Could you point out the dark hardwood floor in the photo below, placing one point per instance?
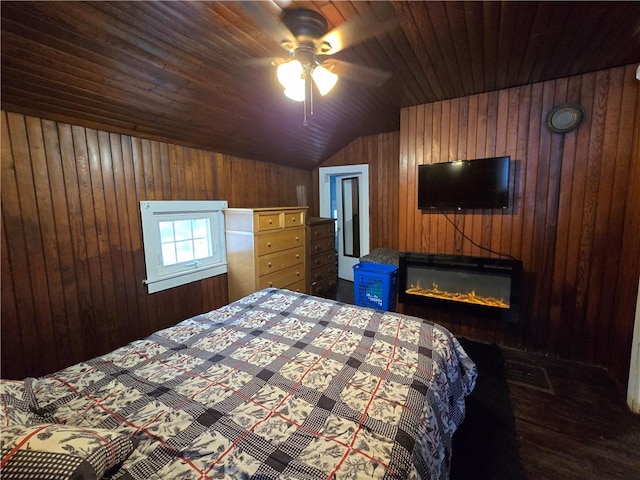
(572, 421)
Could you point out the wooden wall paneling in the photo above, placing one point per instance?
(127, 212)
(90, 256)
(620, 126)
(16, 300)
(99, 256)
(471, 223)
(612, 191)
(72, 256)
(439, 153)
(589, 264)
(52, 310)
(519, 102)
(109, 236)
(561, 146)
(506, 145)
(440, 138)
(405, 177)
(412, 163)
(552, 215)
(34, 267)
(535, 209)
(391, 155)
(499, 128)
(490, 133)
(461, 148)
(76, 274)
(63, 247)
(447, 138)
(135, 185)
(381, 153)
(543, 218)
(566, 216)
(10, 319)
(625, 299)
(573, 310)
(424, 145)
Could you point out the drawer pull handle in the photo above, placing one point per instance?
(293, 219)
(270, 222)
(297, 274)
(269, 244)
(297, 256)
(271, 284)
(269, 264)
(297, 239)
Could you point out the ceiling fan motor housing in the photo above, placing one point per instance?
(305, 24)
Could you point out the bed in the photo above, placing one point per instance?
(275, 385)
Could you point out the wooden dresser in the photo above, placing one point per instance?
(323, 270)
(266, 247)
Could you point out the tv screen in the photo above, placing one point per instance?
(481, 183)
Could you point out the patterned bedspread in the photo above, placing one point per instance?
(275, 385)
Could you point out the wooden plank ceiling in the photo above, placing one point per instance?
(180, 71)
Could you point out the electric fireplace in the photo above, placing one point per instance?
(485, 285)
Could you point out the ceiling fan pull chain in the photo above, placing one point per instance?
(304, 104)
(310, 85)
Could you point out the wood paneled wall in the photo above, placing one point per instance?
(72, 257)
(380, 152)
(575, 215)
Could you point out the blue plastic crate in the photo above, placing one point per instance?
(375, 285)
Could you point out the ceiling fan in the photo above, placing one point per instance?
(304, 34)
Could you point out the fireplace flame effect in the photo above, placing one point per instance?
(470, 297)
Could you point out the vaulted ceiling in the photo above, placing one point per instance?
(184, 71)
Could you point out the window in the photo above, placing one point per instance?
(183, 242)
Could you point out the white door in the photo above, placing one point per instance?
(350, 186)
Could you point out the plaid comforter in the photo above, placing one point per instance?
(276, 385)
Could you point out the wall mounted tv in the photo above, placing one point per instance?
(481, 183)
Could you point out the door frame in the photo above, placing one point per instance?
(325, 174)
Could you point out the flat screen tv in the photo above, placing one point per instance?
(481, 183)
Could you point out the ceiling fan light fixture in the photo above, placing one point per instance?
(324, 79)
(290, 74)
(295, 91)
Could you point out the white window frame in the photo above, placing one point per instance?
(153, 212)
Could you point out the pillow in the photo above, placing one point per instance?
(387, 256)
(57, 452)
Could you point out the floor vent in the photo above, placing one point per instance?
(528, 375)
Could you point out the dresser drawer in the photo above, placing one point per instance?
(278, 241)
(293, 219)
(299, 286)
(282, 278)
(322, 230)
(274, 262)
(322, 259)
(323, 286)
(323, 245)
(324, 271)
(268, 221)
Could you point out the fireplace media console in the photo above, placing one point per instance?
(485, 285)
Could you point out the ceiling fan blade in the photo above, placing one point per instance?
(261, 61)
(354, 31)
(357, 73)
(267, 16)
